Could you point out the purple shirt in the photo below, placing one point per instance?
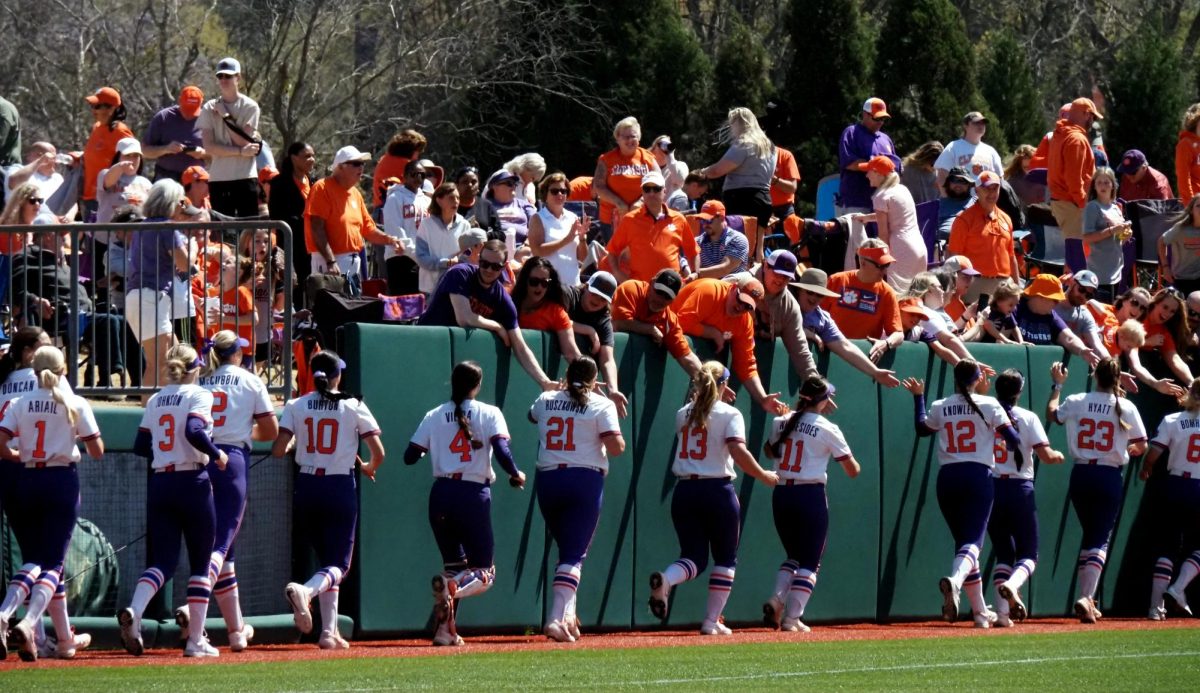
(151, 258)
(860, 143)
(167, 126)
(822, 324)
(463, 279)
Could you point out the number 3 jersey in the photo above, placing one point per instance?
(1179, 435)
(450, 450)
(327, 432)
(804, 454)
(962, 435)
(1093, 432)
(166, 418)
(704, 452)
(570, 434)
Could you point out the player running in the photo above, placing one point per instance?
(459, 437)
(328, 426)
(1103, 430)
(704, 505)
(802, 443)
(578, 430)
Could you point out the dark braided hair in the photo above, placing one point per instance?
(580, 374)
(327, 365)
(24, 338)
(966, 374)
(1108, 378)
(465, 377)
(813, 391)
(1009, 385)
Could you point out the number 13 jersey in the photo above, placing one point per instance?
(1093, 432)
(570, 434)
(704, 452)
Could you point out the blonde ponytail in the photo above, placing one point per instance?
(181, 358)
(49, 365)
(706, 390)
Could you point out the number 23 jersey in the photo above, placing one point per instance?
(450, 450)
(327, 432)
(571, 434)
(1092, 429)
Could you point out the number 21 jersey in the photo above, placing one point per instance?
(571, 434)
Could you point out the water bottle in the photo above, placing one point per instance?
(64, 160)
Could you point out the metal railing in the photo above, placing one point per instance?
(72, 280)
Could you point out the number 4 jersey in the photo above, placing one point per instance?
(1093, 432)
(570, 434)
(804, 455)
(962, 435)
(1179, 435)
(450, 450)
(327, 432)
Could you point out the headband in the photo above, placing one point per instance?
(341, 365)
(830, 391)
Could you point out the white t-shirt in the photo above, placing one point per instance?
(245, 114)
(1092, 429)
(976, 158)
(963, 436)
(570, 434)
(239, 397)
(804, 454)
(403, 211)
(327, 432)
(49, 436)
(1179, 435)
(1032, 435)
(450, 450)
(704, 452)
(166, 419)
(564, 259)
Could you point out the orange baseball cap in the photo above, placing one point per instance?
(987, 179)
(105, 95)
(1085, 105)
(191, 174)
(711, 209)
(880, 164)
(750, 292)
(1046, 286)
(190, 101)
(879, 256)
(876, 108)
(910, 305)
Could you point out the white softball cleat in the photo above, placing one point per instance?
(239, 640)
(1157, 613)
(660, 592)
(558, 632)
(773, 612)
(1085, 609)
(131, 635)
(950, 599)
(985, 618)
(717, 627)
(1003, 621)
(22, 639)
(572, 624)
(332, 640)
(794, 625)
(51, 648)
(200, 648)
(1016, 607)
(1180, 600)
(299, 596)
(444, 637)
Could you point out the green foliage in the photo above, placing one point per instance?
(925, 71)
(740, 73)
(1007, 83)
(1148, 92)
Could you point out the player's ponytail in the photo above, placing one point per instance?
(1108, 379)
(464, 380)
(220, 350)
(181, 359)
(581, 377)
(24, 338)
(326, 365)
(1191, 400)
(706, 390)
(966, 374)
(813, 391)
(49, 365)
(1009, 385)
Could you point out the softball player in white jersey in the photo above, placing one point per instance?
(1103, 430)
(802, 444)
(1179, 436)
(176, 434)
(578, 430)
(47, 494)
(241, 411)
(328, 426)
(704, 506)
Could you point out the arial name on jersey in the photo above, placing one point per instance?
(42, 406)
(560, 405)
(1097, 408)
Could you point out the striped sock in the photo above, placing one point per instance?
(1091, 564)
(147, 586)
(199, 589)
(1188, 571)
(215, 561)
(18, 590)
(566, 583)
(720, 583)
(973, 586)
(324, 579)
(472, 583)
(328, 602)
(225, 591)
(58, 613)
(1021, 573)
(965, 561)
(800, 590)
(41, 595)
(1160, 580)
(680, 572)
(1000, 574)
(783, 578)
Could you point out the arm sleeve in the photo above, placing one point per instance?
(196, 434)
(143, 444)
(921, 417)
(504, 456)
(413, 454)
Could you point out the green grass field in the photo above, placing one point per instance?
(1165, 660)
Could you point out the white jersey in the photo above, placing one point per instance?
(1179, 435)
(327, 432)
(961, 435)
(450, 451)
(1032, 435)
(166, 419)
(239, 397)
(49, 436)
(804, 454)
(571, 435)
(1093, 433)
(704, 452)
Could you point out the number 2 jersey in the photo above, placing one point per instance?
(1179, 435)
(704, 452)
(450, 450)
(327, 431)
(239, 397)
(42, 429)
(804, 454)
(166, 418)
(1033, 436)
(962, 436)
(573, 435)
(1093, 432)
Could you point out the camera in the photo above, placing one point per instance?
(189, 147)
(667, 146)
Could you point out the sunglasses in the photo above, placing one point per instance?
(225, 77)
(558, 191)
(877, 264)
(100, 106)
(419, 174)
(537, 283)
(1090, 293)
(651, 189)
(1138, 304)
(880, 120)
(493, 266)
(509, 183)
(354, 164)
(36, 201)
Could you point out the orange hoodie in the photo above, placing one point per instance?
(1187, 165)
(1071, 164)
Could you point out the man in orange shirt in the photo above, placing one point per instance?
(983, 234)
(867, 307)
(1071, 167)
(783, 184)
(337, 221)
(724, 313)
(644, 308)
(651, 237)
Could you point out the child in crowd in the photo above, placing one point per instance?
(1000, 325)
(236, 311)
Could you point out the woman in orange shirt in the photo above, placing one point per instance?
(1167, 329)
(108, 129)
(539, 300)
(617, 182)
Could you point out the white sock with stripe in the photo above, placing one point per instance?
(1188, 571)
(41, 595)
(58, 614)
(973, 586)
(1091, 564)
(472, 583)
(225, 591)
(783, 579)
(199, 590)
(324, 579)
(965, 560)
(1164, 568)
(147, 586)
(799, 591)
(1000, 574)
(19, 589)
(328, 601)
(566, 584)
(680, 572)
(720, 584)
(1021, 573)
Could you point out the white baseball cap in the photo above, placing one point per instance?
(129, 145)
(229, 66)
(348, 154)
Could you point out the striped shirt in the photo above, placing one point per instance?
(732, 243)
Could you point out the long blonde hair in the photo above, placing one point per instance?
(49, 365)
(181, 359)
(222, 341)
(706, 390)
(743, 128)
(16, 202)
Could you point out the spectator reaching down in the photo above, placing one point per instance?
(589, 307)
(820, 328)
(1040, 324)
(866, 306)
(778, 313)
(648, 308)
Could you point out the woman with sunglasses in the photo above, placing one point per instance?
(511, 209)
(1176, 255)
(437, 237)
(1130, 305)
(1167, 331)
(558, 234)
(108, 128)
(538, 296)
(23, 206)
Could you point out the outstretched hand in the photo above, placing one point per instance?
(913, 385)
